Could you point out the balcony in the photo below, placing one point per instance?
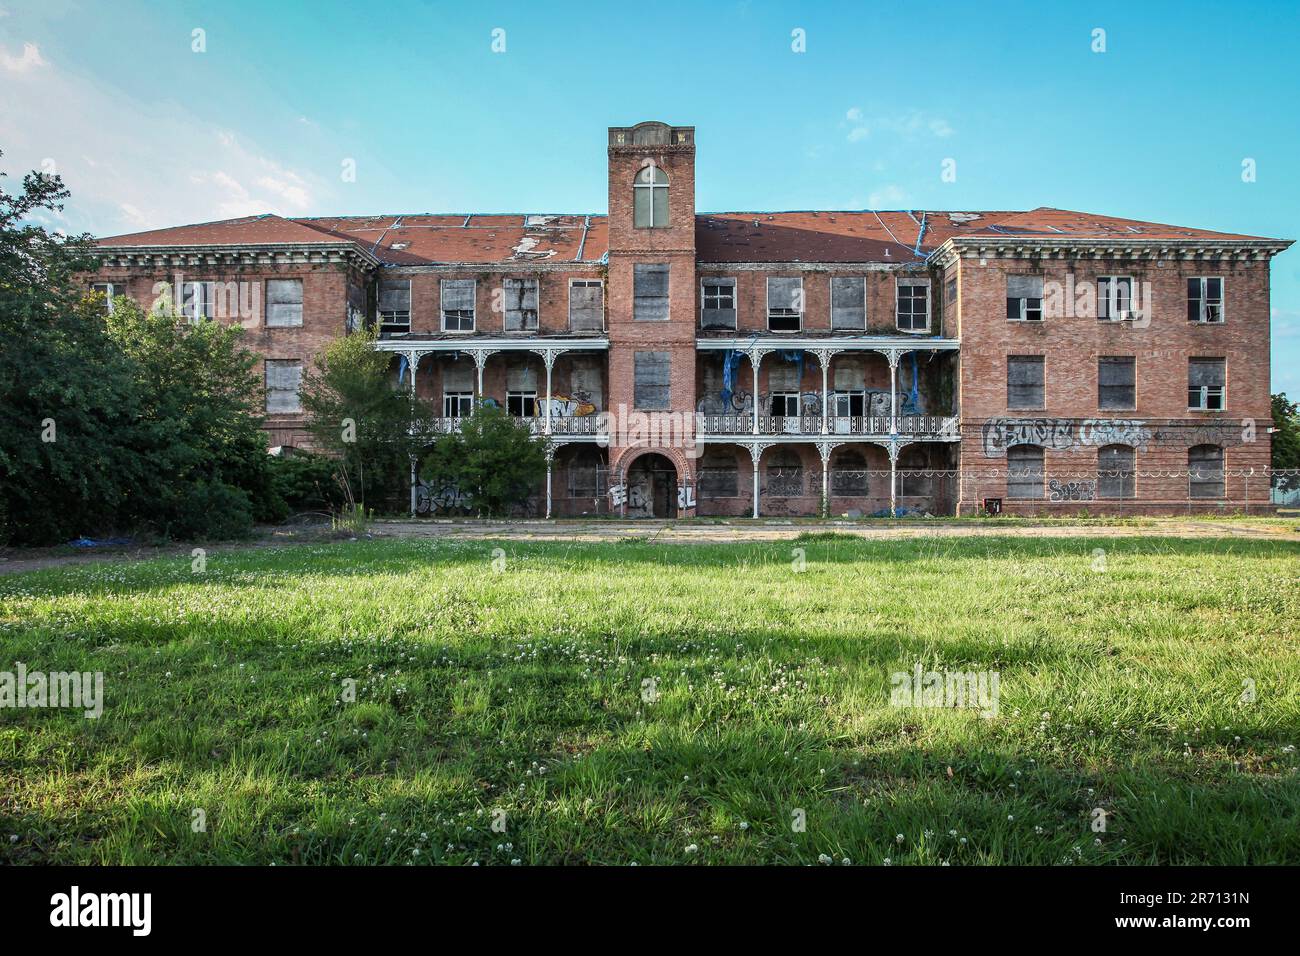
(936, 427)
(585, 426)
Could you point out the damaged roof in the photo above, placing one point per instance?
(848, 236)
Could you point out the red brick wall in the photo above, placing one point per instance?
(1071, 347)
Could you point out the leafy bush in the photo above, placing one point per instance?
(306, 482)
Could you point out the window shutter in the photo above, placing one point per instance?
(651, 380)
(848, 303)
(457, 295)
(1024, 287)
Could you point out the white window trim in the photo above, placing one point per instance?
(473, 312)
(379, 314)
(1124, 315)
(572, 283)
(525, 394)
(458, 396)
(110, 295)
(899, 283)
(767, 291)
(1223, 300)
(651, 187)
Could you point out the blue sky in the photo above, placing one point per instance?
(147, 132)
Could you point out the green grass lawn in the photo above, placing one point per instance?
(517, 694)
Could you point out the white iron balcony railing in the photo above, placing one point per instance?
(920, 426)
(566, 425)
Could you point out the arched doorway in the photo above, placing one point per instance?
(651, 487)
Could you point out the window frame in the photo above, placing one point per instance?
(667, 361)
(901, 283)
(1015, 483)
(1204, 298)
(459, 313)
(394, 325)
(1042, 384)
(1122, 315)
(587, 284)
(1206, 392)
(109, 295)
(522, 397)
(718, 282)
(463, 403)
(1220, 487)
(1127, 478)
(1112, 359)
(783, 312)
(650, 189)
(1023, 308)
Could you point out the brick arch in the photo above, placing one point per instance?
(625, 458)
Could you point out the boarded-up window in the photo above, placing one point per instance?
(520, 304)
(719, 475)
(458, 376)
(849, 303)
(1115, 471)
(586, 305)
(458, 305)
(912, 304)
(358, 310)
(1025, 471)
(718, 303)
(650, 292)
(650, 380)
(1205, 467)
(1025, 298)
(784, 474)
(915, 479)
(1116, 382)
(283, 379)
(283, 302)
(1205, 382)
(783, 376)
(1024, 381)
(586, 384)
(521, 378)
(849, 374)
(586, 474)
(849, 474)
(395, 305)
(784, 304)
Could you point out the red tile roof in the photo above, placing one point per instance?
(857, 236)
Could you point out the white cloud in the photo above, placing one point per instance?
(29, 59)
(134, 165)
(903, 126)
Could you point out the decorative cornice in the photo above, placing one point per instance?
(1045, 247)
(281, 253)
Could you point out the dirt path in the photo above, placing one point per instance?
(16, 560)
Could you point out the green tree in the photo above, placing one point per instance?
(67, 394)
(494, 461)
(360, 414)
(1286, 438)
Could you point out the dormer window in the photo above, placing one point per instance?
(650, 198)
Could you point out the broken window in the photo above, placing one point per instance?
(1205, 471)
(914, 477)
(1205, 300)
(283, 379)
(1205, 383)
(718, 303)
(199, 301)
(395, 305)
(1115, 471)
(650, 198)
(110, 291)
(358, 309)
(521, 390)
(1025, 381)
(1114, 298)
(1025, 471)
(521, 304)
(913, 305)
(586, 474)
(650, 386)
(1116, 382)
(1025, 298)
(458, 305)
(784, 475)
(850, 389)
(784, 304)
(650, 292)
(457, 389)
(585, 382)
(283, 302)
(586, 305)
(849, 473)
(848, 302)
(719, 475)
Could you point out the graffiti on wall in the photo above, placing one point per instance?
(685, 496)
(566, 406)
(1063, 434)
(1058, 490)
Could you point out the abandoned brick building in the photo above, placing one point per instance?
(787, 363)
